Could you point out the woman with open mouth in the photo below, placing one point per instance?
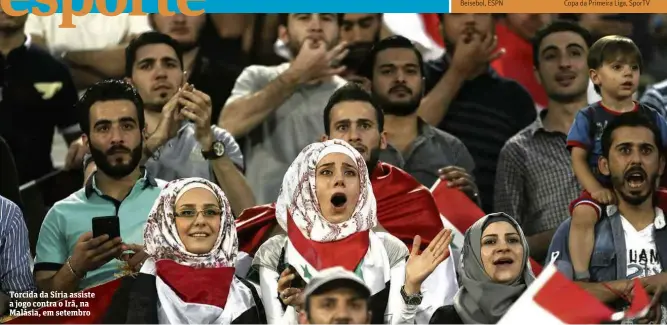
(327, 208)
(494, 270)
(190, 238)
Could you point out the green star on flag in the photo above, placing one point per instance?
(306, 273)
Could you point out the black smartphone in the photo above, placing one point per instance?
(298, 281)
(109, 225)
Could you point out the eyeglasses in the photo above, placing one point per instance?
(207, 213)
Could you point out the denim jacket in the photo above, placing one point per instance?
(608, 261)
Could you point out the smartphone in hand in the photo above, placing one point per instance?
(109, 225)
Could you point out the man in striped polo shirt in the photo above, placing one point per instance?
(15, 274)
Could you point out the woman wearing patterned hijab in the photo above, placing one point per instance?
(495, 271)
(327, 208)
(191, 241)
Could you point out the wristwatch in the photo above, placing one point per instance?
(411, 300)
(217, 151)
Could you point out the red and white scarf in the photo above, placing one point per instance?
(321, 243)
(195, 278)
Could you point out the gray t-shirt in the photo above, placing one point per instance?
(272, 146)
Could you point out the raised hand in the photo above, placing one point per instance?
(314, 61)
(420, 266)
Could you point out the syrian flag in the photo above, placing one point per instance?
(458, 213)
(544, 301)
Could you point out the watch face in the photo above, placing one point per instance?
(219, 149)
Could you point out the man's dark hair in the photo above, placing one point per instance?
(351, 92)
(283, 19)
(611, 48)
(149, 38)
(630, 119)
(108, 90)
(328, 287)
(557, 27)
(391, 42)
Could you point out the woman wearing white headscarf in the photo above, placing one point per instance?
(191, 241)
(495, 271)
(327, 208)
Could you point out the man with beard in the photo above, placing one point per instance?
(277, 111)
(468, 99)
(182, 142)
(37, 95)
(395, 67)
(68, 257)
(535, 182)
(632, 241)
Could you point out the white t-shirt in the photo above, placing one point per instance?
(642, 256)
(92, 32)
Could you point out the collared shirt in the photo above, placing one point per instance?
(534, 181)
(69, 218)
(272, 146)
(181, 156)
(37, 95)
(484, 114)
(431, 150)
(15, 274)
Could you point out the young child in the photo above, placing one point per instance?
(615, 64)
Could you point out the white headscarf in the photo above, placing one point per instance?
(298, 195)
(161, 236)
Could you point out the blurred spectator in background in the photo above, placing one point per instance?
(36, 96)
(226, 35)
(277, 111)
(657, 67)
(9, 187)
(468, 99)
(535, 182)
(354, 63)
(656, 97)
(205, 66)
(515, 32)
(94, 50)
(359, 28)
(395, 67)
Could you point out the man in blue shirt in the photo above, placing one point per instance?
(15, 274)
(68, 257)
